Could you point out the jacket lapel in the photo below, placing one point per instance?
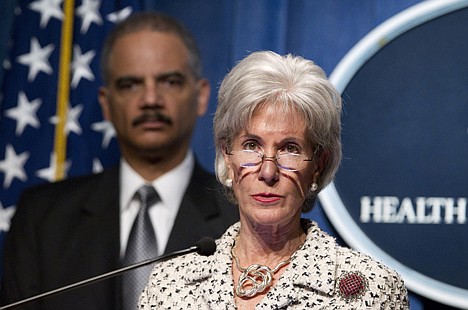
(101, 213)
(312, 267)
(214, 273)
(197, 213)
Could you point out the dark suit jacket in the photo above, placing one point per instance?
(69, 231)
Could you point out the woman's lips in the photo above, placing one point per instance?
(266, 198)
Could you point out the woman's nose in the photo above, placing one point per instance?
(268, 170)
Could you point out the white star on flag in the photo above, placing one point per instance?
(106, 129)
(5, 217)
(32, 89)
(13, 166)
(47, 9)
(118, 16)
(89, 13)
(80, 66)
(25, 113)
(72, 124)
(37, 59)
(97, 165)
(48, 173)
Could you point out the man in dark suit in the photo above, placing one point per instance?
(71, 230)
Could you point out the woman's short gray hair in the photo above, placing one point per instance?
(290, 83)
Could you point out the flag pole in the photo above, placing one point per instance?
(63, 90)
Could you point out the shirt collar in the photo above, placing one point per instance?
(170, 186)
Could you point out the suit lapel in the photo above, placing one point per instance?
(102, 208)
(197, 208)
(102, 216)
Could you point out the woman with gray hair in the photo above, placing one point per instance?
(277, 136)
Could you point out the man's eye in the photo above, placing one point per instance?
(171, 82)
(127, 84)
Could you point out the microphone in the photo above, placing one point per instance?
(205, 246)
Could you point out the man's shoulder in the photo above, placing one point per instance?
(204, 185)
(200, 174)
(70, 185)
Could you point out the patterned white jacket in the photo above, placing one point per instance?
(321, 275)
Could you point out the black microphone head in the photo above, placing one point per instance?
(206, 246)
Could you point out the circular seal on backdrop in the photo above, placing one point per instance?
(401, 193)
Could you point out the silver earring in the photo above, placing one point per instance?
(228, 183)
(313, 187)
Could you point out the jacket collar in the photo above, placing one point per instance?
(312, 266)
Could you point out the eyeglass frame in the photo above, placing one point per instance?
(274, 159)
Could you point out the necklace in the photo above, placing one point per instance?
(257, 277)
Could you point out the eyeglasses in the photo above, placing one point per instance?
(285, 161)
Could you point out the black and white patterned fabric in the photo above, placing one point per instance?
(321, 275)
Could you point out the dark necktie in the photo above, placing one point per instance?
(141, 246)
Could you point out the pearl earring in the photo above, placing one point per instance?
(314, 187)
(228, 183)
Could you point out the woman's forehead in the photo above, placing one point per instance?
(268, 123)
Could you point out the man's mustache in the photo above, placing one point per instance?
(152, 116)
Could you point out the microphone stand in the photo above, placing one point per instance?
(101, 277)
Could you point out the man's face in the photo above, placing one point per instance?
(152, 97)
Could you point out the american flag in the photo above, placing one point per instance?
(51, 126)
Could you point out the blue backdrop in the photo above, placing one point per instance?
(228, 30)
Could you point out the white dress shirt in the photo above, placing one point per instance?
(171, 187)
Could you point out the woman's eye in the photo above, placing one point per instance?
(291, 148)
(250, 146)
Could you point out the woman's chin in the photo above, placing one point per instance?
(270, 217)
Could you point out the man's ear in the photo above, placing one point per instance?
(204, 90)
(103, 99)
